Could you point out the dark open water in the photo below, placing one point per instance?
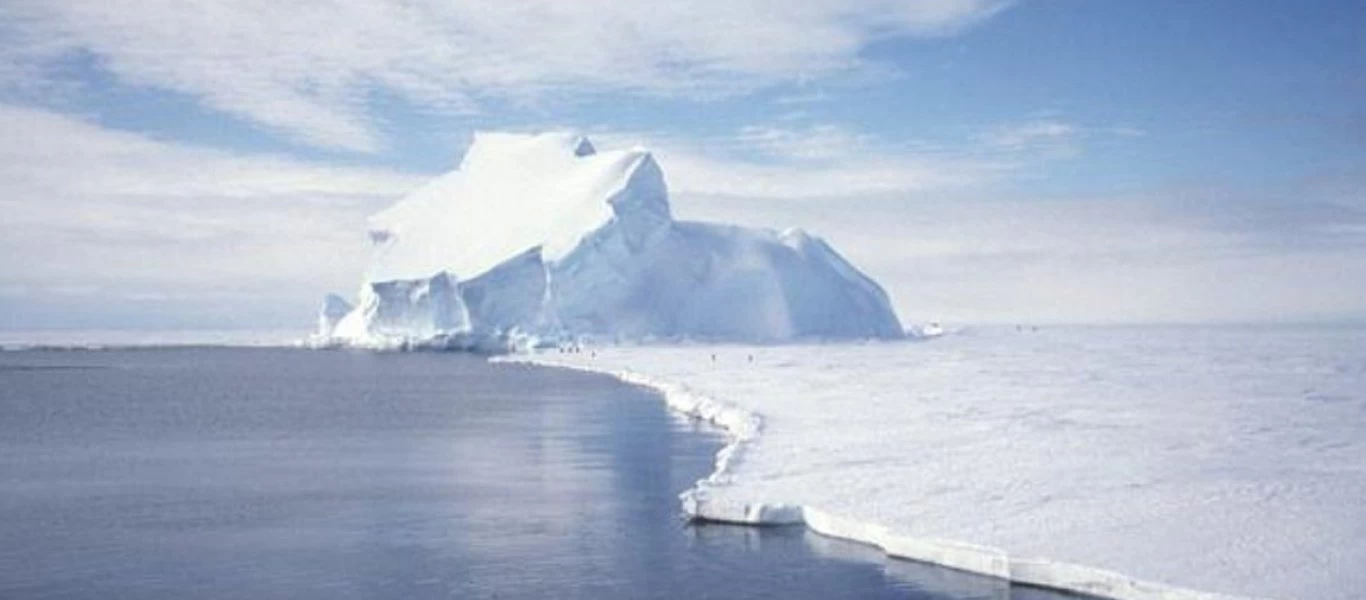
(258, 473)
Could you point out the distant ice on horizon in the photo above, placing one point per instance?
(140, 338)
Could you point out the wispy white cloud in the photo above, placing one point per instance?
(308, 67)
(114, 214)
(804, 159)
(818, 142)
(1124, 131)
(803, 98)
(1033, 133)
(944, 17)
(820, 160)
(1052, 137)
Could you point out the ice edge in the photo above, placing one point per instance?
(742, 427)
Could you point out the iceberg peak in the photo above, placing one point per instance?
(512, 192)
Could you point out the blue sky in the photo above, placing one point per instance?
(210, 164)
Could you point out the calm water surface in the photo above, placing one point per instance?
(260, 473)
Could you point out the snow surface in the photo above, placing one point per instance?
(542, 237)
(1126, 463)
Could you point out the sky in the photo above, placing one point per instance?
(209, 164)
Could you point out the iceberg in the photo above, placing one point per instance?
(542, 238)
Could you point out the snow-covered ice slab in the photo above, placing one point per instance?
(1122, 462)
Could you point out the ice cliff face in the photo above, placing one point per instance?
(542, 237)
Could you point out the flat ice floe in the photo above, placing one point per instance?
(1124, 462)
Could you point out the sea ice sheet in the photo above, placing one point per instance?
(1131, 462)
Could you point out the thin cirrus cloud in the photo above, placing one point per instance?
(817, 142)
(1023, 135)
(108, 214)
(308, 68)
(1052, 138)
(814, 161)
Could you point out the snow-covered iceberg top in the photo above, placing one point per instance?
(542, 237)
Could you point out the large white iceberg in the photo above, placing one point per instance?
(542, 237)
